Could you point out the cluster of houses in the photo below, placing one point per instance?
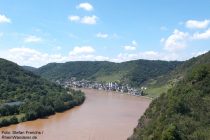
(110, 86)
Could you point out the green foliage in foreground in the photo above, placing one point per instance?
(181, 114)
(36, 97)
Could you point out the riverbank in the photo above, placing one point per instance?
(112, 92)
(103, 116)
(41, 110)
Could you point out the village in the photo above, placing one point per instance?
(109, 86)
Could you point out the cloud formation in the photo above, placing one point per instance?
(4, 19)
(195, 24)
(149, 55)
(91, 20)
(131, 47)
(179, 40)
(31, 57)
(74, 18)
(176, 41)
(85, 6)
(82, 50)
(32, 39)
(201, 36)
(102, 35)
(35, 58)
(195, 54)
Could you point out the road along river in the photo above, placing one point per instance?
(103, 116)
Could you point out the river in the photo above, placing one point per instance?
(103, 116)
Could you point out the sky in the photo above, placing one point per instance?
(37, 32)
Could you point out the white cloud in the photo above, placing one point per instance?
(31, 57)
(32, 39)
(195, 54)
(194, 24)
(84, 20)
(88, 57)
(129, 48)
(57, 48)
(150, 55)
(101, 58)
(35, 58)
(200, 36)
(134, 43)
(4, 19)
(110, 36)
(82, 50)
(89, 19)
(102, 35)
(74, 18)
(85, 6)
(125, 57)
(176, 41)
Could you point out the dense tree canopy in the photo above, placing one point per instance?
(133, 73)
(22, 92)
(183, 113)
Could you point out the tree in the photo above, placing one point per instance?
(13, 120)
(170, 133)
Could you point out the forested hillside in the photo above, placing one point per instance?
(183, 112)
(29, 68)
(25, 96)
(133, 73)
(157, 85)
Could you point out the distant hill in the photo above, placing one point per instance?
(29, 68)
(25, 96)
(162, 83)
(183, 112)
(133, 73)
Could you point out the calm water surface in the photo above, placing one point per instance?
(103, 116)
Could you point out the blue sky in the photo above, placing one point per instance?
(38, 32)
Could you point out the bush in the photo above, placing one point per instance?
(13, 120)
(4, 122)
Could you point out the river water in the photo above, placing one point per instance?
(103, 116)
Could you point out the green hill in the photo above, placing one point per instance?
(133, 73)
(25, 96)
(183, 112)
(160, 84)
(29, 68)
